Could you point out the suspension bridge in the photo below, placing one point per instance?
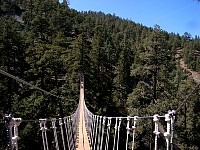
(84, 130)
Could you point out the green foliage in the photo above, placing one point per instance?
(128, 69)
(192, 53)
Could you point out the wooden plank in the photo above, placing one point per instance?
(82, 139)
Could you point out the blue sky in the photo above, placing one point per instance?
(178, 16)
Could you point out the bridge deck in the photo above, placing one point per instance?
(82, 140)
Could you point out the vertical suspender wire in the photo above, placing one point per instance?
(43, 140)
(156, 132)
(15, 139)
(93, 131)
(62, 134)
(73, 129)
(74, 126)
(71, 134)
(167, 134)
(45, 134)
(43, 128)
(128, 131)
(9, 125)
(76, 121)
(120, 121)
(53, 121)
(102, 133)
(88, 118)
(108, 132)
(134, 127)
(172, 128)
(88, 115)
(116, 122)
(172, 134)
(66, 131)
(90, 126)
(95, 138)
(14, 142)
(99, 133)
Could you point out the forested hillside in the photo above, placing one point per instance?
(129, 69)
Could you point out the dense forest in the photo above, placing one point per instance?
(129, 69)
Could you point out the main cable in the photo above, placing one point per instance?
(28, 84)
(188, 96)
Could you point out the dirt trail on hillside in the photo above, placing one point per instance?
(195, 75)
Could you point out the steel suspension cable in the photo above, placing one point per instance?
(187, 97)
(28, 84)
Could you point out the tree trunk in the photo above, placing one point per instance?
(155, 84)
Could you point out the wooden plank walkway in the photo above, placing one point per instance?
(82, 139)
